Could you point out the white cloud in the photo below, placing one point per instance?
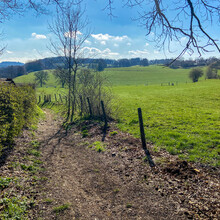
(129, 44)
(107, 37)
(103, 42)
(9, 52)
(72, 34)
(147, 44)
(38, 36)
(95, 52)
(88, 42)
(156, 52)
(116, 45)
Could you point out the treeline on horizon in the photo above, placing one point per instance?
(99, 64)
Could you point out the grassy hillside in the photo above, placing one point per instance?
(185, 119)
(135, 75)
(29, 78)
(149, 75)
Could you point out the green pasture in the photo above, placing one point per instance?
(184, 119)
(150, 75)
(135, 75)
(30, 78)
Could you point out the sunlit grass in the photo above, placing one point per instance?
(184, 119)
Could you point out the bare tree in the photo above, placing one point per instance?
(70, 32)
(10, 7)
(61, 75)
(41, 77)
(178, 19)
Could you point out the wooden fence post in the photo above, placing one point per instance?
(104, 115)
(81, 105)
(61, 98)
(90, 109)
(150, 160)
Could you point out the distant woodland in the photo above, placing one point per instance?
(14, 70)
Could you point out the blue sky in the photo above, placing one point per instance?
(27, 37)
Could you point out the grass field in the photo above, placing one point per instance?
(184, 119)
(29, 78)
(135, 75)
(149, 75)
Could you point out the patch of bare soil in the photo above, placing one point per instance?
(91, 179)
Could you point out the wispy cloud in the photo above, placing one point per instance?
(88, 42)
(107, 37)
(9, 52)
(95, 52)
(38, 36)
(103, 42)
(72, 34)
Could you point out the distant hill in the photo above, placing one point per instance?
(8, 63)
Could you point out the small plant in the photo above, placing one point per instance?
(37, 162)
(14, 208)
(98, 146)
(84, 133)
(128, 205)
(116, 190)
(48, 200)
(113, 133)
(4, 182)
(61, 208)
(96, 170)
(156, 149)
(34, 152)
(35, 144)
(30, 168)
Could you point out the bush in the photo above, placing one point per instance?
(195, 74)
(211, 73)
(92, 85)
(17, 107)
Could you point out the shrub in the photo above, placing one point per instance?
(93, 85)
(195, 74)
(211, 73)
(17, 107)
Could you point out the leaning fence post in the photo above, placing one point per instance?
(150, 160)
(90, 109)
(104, 115)
(81, 105)
(61, 98)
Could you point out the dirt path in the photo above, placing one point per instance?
(113, 184)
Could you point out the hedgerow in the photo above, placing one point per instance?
(17, 108)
